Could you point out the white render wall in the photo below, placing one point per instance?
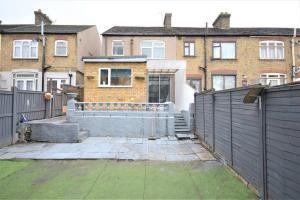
(184, 94)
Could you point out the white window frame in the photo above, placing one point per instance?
(58, 81)
(268, 46)
(112, 49)
(214, 45)
(109, 78)
(268, 78)
(25, 79)
(152, 48)
(190, 53)
(21, 53)
(55, 50)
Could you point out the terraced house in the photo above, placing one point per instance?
(28, 63)
(219, 57)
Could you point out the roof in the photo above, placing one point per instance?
(193, 31)
(31, 28)
(114, 59)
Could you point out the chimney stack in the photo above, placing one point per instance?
(39, 16)
(168, 20)
(222, 21)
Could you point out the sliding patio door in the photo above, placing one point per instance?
(159, 88)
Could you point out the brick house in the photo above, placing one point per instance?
(21, 53)
(231, 57)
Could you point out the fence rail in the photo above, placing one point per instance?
(31, 104)
(260, 141)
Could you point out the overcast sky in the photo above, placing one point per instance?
(106, 14)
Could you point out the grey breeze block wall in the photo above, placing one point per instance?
(261, 142)
(123, 123)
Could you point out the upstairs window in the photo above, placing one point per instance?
(272, 79)
(224, 50)
(25, 49)
(118, 48)
(115, 77)
(153, 49)
(61, 48)
(189, 48)
(271, 50)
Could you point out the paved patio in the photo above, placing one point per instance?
(164, 149)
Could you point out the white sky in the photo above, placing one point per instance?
(106, 14)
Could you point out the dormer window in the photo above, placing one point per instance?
(27, 49)
(118, 48)
(61, 48)
(271, 50)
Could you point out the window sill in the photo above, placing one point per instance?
(223, 59)
(189, 56)
(25, 58)
(60, 55)
(271, 59)
(110, 86)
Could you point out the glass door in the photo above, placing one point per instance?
(159, 88)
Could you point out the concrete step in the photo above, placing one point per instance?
(180, 124)
(82, 135)
(181, 127)
(183, 136)
(182, 130)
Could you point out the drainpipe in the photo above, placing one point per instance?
(205, 58)
(131, 46)
(293, 55)
(43, 55)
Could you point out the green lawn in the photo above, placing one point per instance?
(92, 179)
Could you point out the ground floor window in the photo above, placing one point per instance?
(223, 82)
(195, 83)
(272, 79)
(159, 88)
(114, 77)
(59, 81)
(25, 81)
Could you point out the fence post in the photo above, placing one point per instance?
(213, 121)
(14, 112)
(262, 125)
(231, 146)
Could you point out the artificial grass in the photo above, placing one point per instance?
(103, 179)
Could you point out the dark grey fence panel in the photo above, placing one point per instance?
(6, 101)
(208, 115)
(283, 143)
(223, 125)
(57, 105)
(199, 116)
(245, 137)
(31, 104)
(260, 140)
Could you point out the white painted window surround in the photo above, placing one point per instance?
(25, 80)
(271, 50)
(153, 49)
(61, 48)
(272, 79)
(115, 77)
(25, 49)
(117, 48)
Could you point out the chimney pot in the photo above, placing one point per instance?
(39, 16)
(222, 21)
(168, 20)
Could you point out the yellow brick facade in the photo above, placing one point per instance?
(58, 64)
(136, 93)
(247, 64)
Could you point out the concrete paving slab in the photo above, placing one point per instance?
(111, 148)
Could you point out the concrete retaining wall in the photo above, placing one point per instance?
(123, 123)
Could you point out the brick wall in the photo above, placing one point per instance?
(94, 93)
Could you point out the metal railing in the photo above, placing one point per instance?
(121, 106)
